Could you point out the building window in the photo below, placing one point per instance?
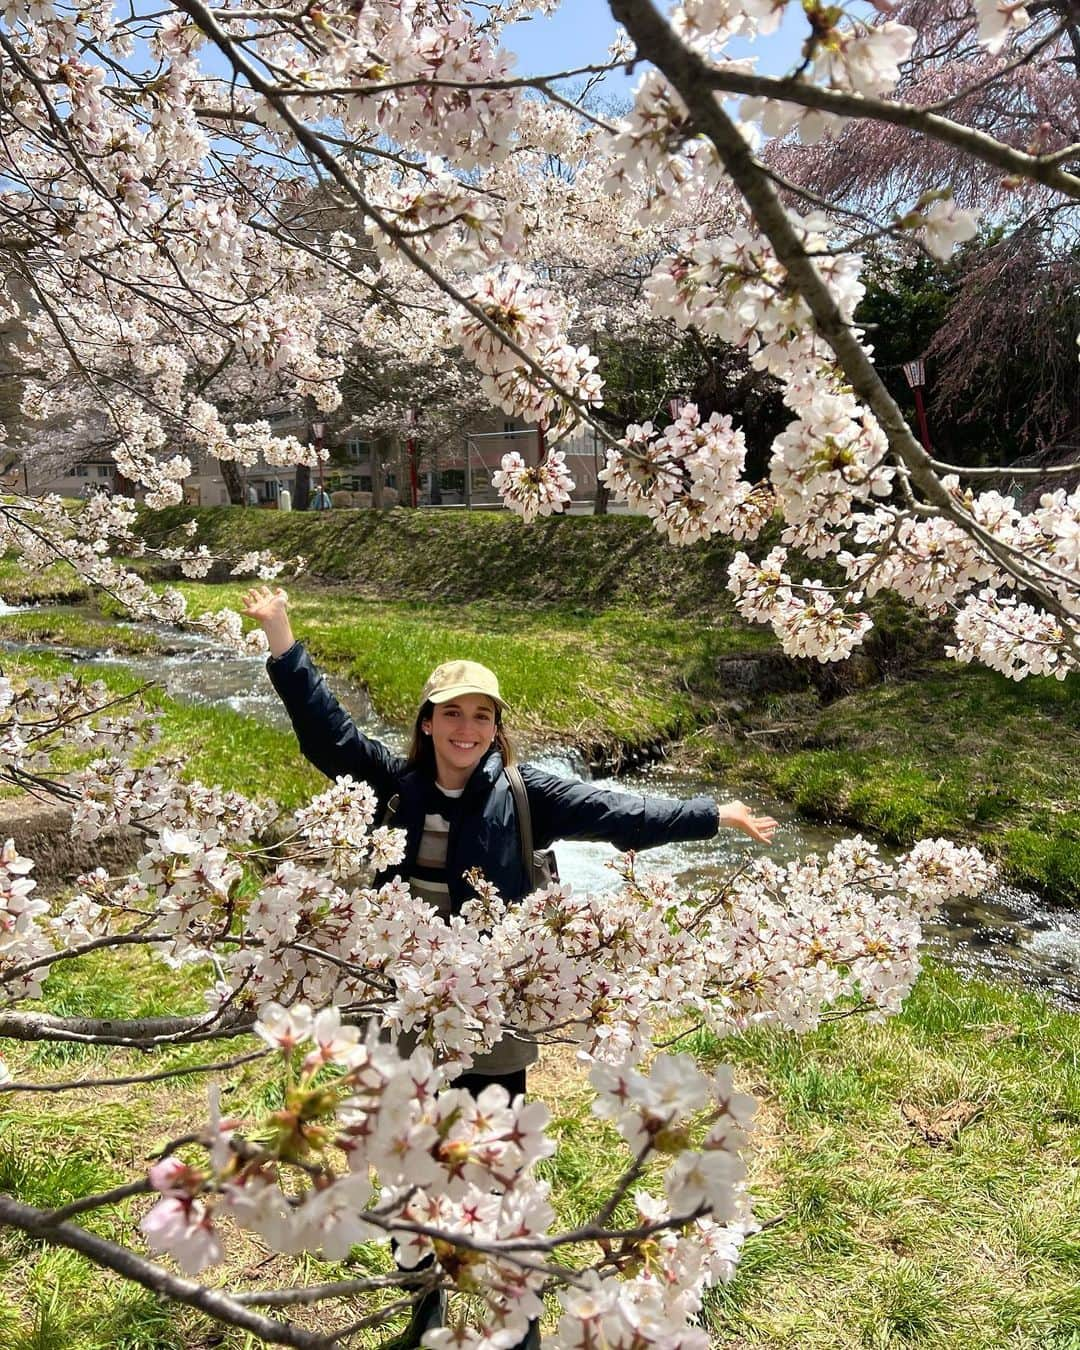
(452, 480)
(390, 480)
(81, 471)
(104, 471)
(508, 427)
(357, 449)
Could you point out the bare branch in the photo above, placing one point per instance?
(72, 1085)
(110, 1256)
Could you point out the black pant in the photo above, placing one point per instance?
(514, 1083)
(475, 1083)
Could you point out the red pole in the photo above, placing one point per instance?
(924, 429)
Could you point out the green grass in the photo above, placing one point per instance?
(962, 752)
(883, 1240)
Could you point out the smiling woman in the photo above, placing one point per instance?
(460, 719)
(454, 800)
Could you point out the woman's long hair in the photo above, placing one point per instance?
(422, 752)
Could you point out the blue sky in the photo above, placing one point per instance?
(581, 31)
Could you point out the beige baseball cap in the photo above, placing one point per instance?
(454, 678)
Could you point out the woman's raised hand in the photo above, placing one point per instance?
(261, 602)
(737, 816)
(270, 609)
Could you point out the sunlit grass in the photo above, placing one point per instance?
(882, 1240)
(959, 751)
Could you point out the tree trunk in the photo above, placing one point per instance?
(234, 483)
(379, 447)
(302, 492)
(600, 500)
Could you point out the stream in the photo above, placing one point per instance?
(1007, 933)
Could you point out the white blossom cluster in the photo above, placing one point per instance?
(593, 964)
(432, 1166)
(22, 939)
(532, 318)
(688, 478)
(785, 945)
(185, 299)
(533, 490)
(337, 823)
(91, 540)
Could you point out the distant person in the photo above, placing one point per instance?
(321, 501)
(457, 795)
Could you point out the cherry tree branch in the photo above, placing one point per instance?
(137, 1033)
(38, 1224)
(691, 76)
(317, 1293)
(1042, 169)
(1007, 470)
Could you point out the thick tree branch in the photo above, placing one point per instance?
(1042, 169)
(692, 77)
(137, 1033)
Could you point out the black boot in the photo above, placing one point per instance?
(429, 1313)
(531, 1340)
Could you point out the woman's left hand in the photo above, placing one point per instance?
(737, 816)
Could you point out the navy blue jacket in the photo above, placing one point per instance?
(486, 834)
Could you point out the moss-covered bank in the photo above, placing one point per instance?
(957, 751)
(473, 555)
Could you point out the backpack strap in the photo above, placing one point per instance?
(524, 819)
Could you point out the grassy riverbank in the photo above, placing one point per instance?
(607, 638)
(883, 1238)
(612, 683)
(958, 751)
(474, 555)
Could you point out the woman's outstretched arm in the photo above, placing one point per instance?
(327, 734)
(564, 809)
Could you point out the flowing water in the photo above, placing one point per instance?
(1006, 933)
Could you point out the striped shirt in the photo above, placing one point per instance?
(429, 880)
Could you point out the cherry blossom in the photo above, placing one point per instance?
(372, 194)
